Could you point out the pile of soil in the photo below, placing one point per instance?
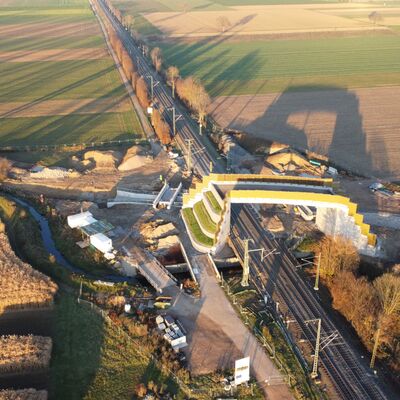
(134, 158)
(103, 159)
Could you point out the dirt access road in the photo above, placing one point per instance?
(216, 335)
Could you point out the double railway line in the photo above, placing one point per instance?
(275, 276)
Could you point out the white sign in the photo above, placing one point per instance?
(242, 370)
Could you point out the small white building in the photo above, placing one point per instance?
(101, 242)
(81, 219)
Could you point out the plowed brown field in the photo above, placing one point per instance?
(358, 129)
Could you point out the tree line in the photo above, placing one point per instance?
(137, 81)
(189, 90)
(371, 306)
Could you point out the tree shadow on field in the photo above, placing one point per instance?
(326, 120)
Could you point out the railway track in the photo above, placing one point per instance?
(202, 152)
(275, 275)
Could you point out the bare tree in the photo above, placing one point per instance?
(172, 76)
(128, 21)
(5, 167)
(161, 127)
(156, 58)
(134, 79)
(337, 254)
(223, 23)
(375, 17)
(142, 93)
(127, 63)
(387, 288)
(201, 103)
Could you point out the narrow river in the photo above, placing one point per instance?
(51, 247)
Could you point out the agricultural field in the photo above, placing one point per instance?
(321, 76)
(263, 20)
(21, 286)
(58, 83)
(24, 353)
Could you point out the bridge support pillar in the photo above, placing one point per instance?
(337, 222)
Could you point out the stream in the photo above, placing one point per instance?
(51, 247)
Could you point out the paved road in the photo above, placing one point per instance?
(276, 275)
(217, 336)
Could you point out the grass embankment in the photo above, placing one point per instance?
(262, 66)
(205, 220)
(93, 359)
(213, 202)
(195, 229)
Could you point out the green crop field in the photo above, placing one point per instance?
(51, 80)
(68, 129)
(35, 82)
(267, 66)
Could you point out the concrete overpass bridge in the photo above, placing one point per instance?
(207, 207)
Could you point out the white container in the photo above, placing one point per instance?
(81, 219)
(101, 242)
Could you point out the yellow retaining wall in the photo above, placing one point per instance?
(251, 178)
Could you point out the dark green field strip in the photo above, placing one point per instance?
(44, 43)
(241, 63)
(50, 80)
(69, 129)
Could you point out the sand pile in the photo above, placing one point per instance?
(164, 244)
(277, 147)
(289, 160)
(134, 158)
(103, 159)
(151, 231)
(273, 224)
(49, 173)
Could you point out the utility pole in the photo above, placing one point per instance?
(152, 86)
(189, 156)
(174, 119)
(317, 275)
(211, 166)
(246, 261)
(246, 268)
(314, 373)
(375, 350)
(200, 128)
